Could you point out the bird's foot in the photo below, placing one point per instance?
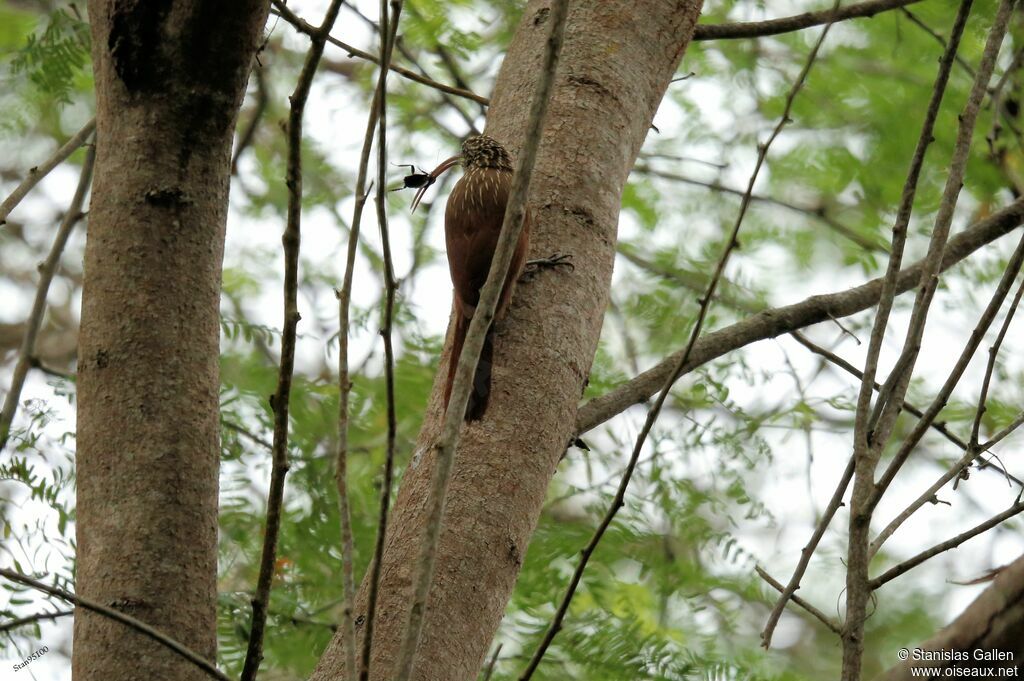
(553, 261)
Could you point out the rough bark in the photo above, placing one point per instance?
(617, 61)
(993, 622)
(169, 82)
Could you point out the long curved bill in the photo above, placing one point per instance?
(436, 173)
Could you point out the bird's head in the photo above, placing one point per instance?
(478, 151)
(482, 151)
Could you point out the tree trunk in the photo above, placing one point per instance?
(169, 82)
(617, 61)
(993, 622)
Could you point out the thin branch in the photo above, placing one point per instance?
(940, 427)
(956, 541)
(37, 363)
(864, 420)
(859, 375)
(32, 619)
(281, 9)
(873, 427)
(728, 295)
(38, 172)
(971, 449)
(345, 385)
(805, 555)
(242, 430)
(388, 38)
(489, 669)
(512, 223)
(818, 614)
(940, 233)
(47, 270)
(993, 353)
(704, 303)
(1013, 425)
(1013, 267)
(928, 496)
(961, 62)
(454, 105)
(759, 29)
(400, 44)
(776, 321)
(280, 400)
(129, 621)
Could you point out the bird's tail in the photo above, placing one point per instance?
(481, 389)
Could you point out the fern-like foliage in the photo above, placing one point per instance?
(54, 55)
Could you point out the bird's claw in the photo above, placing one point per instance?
(553, 261)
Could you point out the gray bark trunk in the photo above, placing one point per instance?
(169, 81)
(616, 64)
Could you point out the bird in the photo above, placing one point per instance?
(472, 223)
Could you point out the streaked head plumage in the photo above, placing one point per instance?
(483, 151)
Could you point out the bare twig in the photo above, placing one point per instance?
(971, 450)
(242, 430)
(40, 171)
(872, 428)
(914, 19)
(489, 669)
(943, 222)
(129, 621)
(956, 541)
(280, 400)
(818, 614)
(31, 619)
(37, 363)
(47, 270)
(993, 353)
(864, 424)
(704, 303)
(939, 427)
(282, 10)
(759, 29)
(805, 554)
(987, 317)
(388, 37)
(511, 227)
(345, 383)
